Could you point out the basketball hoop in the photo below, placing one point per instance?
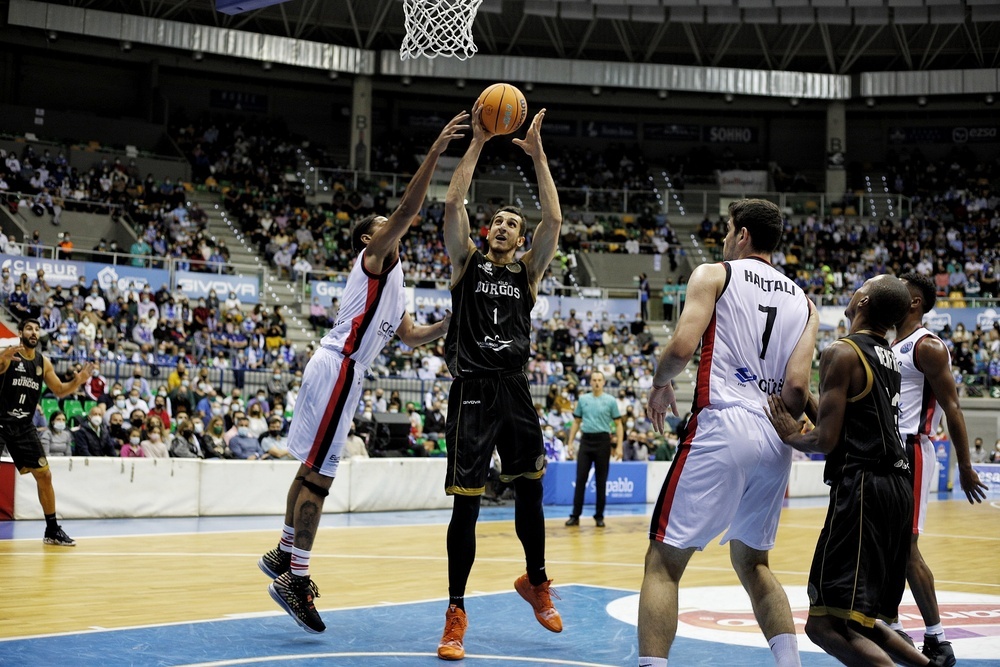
(439, 28)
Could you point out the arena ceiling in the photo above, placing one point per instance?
(830, 36)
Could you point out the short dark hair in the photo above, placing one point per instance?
(761, 218)
(522, 231)
(26, 321)
(888, 301)
(924, 287)
(359, 228)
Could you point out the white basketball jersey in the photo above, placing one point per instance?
(371, 309)
(919, 411)
(758, 320)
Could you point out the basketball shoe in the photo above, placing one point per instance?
(452, 646)
(540, 599)
(939, 652)
(906, 637)
(58, 537)
(275, 562)
(295, 595)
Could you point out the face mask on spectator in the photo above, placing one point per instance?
(154, 437)
(629, 424)
(277, 378)
(199, 428)
(217, 429)
(96, 420)
(59, 425)
(134, 440)
(136, 422)
(549, 433)
(120, 403)
(243, 431)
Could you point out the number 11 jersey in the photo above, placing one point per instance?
(758, 320)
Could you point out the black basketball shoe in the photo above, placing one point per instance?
(940, 652)
(295, 595)
(58, 538)
(275, 562)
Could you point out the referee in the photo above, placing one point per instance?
(593, 416)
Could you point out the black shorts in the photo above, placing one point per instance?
(859, 570)
(24, 446)
(487, 412)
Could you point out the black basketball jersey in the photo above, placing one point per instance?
(20, 388)
(869, 438)
(491, 318)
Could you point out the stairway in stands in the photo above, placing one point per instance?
(245, 260)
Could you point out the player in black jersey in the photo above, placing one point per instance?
(859, 568)
(489, 405)
(22, 371)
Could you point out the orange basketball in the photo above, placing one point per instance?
(504, 108)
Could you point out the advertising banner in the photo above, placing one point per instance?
(944, 135)
(729, 134)
(326, 290)
(198, 285)
(989, 474)
(738, 181)
(546, 307)
(626, 483)
(608, 129)
(127, 278)
(671, 132)
(57, 271)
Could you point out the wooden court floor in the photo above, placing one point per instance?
(110, 582)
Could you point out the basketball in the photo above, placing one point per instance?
(504, 108)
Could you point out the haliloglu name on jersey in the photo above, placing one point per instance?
(497, 289)
(767, 285)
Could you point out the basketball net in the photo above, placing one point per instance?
(439, 28)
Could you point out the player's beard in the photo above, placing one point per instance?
(28, 344)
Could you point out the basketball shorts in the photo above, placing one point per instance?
(858, 572)
(328, 398)
(486, 413)
(923, 463)
(729, 474)
(24, 446)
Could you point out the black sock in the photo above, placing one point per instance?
(529, 524)
(461, 544)
(50, 523)
(458, 602)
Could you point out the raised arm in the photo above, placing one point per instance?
(414, 334)
(936, 366)
(545, 240)
(386, 238)
(795, 390)
(60, 388)
(8, 355)
(702, 291)
(456, 217)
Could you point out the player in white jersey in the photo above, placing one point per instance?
(928, 392)
(757, 332)
(372, 310)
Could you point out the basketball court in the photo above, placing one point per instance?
(188, 591)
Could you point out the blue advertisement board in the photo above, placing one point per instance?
(198, 285)
(989, 474)
(326, 291)
(57, 271)
(942, 457)
(626, 483)
(127, 278)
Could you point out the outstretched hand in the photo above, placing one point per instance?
(9, 353)
(785, 425)
(532, 142)
(453, 130)
(84, 373)
(479, 132)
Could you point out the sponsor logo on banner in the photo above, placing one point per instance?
(723, 614)
(730, 134)
(618, 487)
(738, 181)
(936, 321)
(57, 271)
(327, 290)
(197, 285)
(126, 278)
(986, 318)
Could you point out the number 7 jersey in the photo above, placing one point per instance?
(758, 320)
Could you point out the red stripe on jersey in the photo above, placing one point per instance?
(928, 409)
(918, 479)
(359, 324)
(702, 391)
(661, 512)
(318, 449)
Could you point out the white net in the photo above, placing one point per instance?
(439, 28)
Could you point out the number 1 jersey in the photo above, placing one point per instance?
(758, 320)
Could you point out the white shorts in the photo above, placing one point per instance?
(324, 410)
(923, 462)
(731, 472)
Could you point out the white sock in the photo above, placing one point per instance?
(785, 649)
(935, 631)
(287, 539)
(300, 562)
(897, 626)
(652, 662)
